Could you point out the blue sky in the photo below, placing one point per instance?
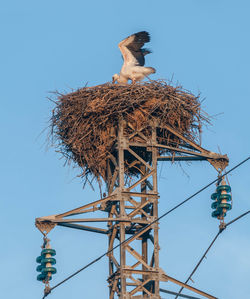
(62, 45)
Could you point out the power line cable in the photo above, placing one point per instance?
(235, 219)
(48, 290)
(223, 226)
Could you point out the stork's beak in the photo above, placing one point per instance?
(113, 80)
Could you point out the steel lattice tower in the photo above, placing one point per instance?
(131, 205)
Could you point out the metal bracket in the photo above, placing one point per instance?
(44, 226)
(219, 164)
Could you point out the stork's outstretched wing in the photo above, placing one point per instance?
(131, 48)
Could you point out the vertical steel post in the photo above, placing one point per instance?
(141, 278)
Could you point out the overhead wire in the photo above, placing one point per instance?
(222, 227)
(48, 290)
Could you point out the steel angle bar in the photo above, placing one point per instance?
(133, 252)
(141, 180)
(193, 144)
(138, 234)
(135, 220)
(114, 261)
(174, 149)
(141, 287)
(113, 160)
(169, 278)
(142, 136)
(205, 153)
(139, 158)
(138, 209)
(114, 177)
(208, 155)
(136, 131)
(80, 210)
(180, 158)
(86, 228)
(138, 194)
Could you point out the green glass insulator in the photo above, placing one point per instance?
(226, 206)
(217, 213)
(41, 277)
(48, 251)
(39, 268)
(226, 188)
(226, 197)
(50, 260)
(38, 259)
(214, 205)
(49, 269)
(214, 214)
(214, 196)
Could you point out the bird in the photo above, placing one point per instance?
(134, 59)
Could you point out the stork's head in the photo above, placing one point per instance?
(115, 78)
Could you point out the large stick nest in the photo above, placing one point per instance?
(84, 123)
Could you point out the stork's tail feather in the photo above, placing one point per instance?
(148, 71)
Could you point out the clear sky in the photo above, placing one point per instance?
(62, 45)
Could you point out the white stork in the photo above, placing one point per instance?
(133, 55)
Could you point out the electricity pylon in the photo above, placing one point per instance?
(131, 205)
